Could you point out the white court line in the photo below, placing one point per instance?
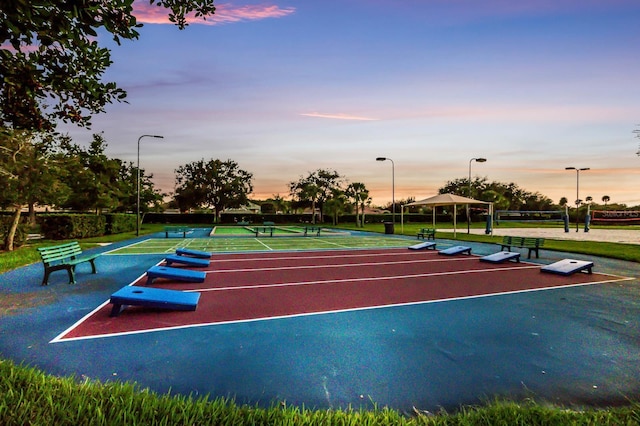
(334, 311)
(323, 256)
(349, 280)
(266, 246)
(337, 265)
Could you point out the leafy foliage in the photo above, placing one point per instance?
(54, 68)
(215, 183)
(505, 196)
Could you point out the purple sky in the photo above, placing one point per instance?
(285, 88)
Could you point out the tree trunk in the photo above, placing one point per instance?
(32, 214)
(8, 242)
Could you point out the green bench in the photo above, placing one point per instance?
(176, 230)
(263, 230)
(530, 243)
(428, 233)
(312, 230)
(64, 256)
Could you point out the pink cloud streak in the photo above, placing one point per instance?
(338, 116)
(226, 13)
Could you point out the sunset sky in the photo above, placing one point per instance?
(284, 88)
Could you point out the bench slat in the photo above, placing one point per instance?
(64, 256)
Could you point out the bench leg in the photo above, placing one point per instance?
(93, 266)
(72, 275)
(45, 280)
(115, 311)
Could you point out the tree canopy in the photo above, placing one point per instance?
(505, 196)
(214, 183)
(51, 62)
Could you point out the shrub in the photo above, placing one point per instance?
(69, 226)
(120, 222)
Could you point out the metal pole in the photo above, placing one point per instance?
(393, 186)
(478, 160)
(138, 183)
(578, 170)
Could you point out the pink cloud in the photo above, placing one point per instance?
(226, 13)
(338, 116)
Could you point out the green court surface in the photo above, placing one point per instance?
(234, 244)
(268, 230)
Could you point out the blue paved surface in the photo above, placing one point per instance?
(577, 345)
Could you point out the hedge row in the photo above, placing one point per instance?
(70, 226)
(209, 218)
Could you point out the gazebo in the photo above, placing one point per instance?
(451, 200)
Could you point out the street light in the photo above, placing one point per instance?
(138, 182)
(578, 200)
(477, 160)
(393, 186)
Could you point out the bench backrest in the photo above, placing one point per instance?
(58, 253)
(532, 242)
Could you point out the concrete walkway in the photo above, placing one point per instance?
(631, 236)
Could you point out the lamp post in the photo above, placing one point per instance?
(477, 160)
(138, 182)
(393, 186)
(578, 200)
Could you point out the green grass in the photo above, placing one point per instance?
(629, 252)
(30, 397)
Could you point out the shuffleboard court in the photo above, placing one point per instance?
(260, 286)
(250, 244)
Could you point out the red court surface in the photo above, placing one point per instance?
(258, 286)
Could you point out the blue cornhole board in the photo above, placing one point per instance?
(501, 256)
(193, 253)
(175, 274)
(421, 246)
(455, 250)
(568, 267)
(153, 298)
(186, 260)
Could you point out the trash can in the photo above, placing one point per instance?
(388, 227)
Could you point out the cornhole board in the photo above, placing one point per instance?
(193, 253)
(455, 250)
(422, 246)
(185, 260)
(501, 256)
(175, 274)
(568, 267)
(153, 298)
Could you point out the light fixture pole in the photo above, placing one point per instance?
(578, 200)
(393, 186)
(138, 182)
(477, 160)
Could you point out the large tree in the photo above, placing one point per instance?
(214, 183)
(29, 175)
(51, 62)
(359, 194)
(317, 187)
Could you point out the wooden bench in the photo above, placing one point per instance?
(428, 233)
(176, 230)
(64, 256)
(530, 243)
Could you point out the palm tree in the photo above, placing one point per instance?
(605, 200)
